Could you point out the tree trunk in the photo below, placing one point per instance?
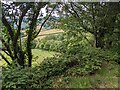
(29, 52)
(99, 38)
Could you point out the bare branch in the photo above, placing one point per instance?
(74, 10)
(6, 46)
(78, 17)
(69, 10)
(5, 22)
(43, 23)
(20, 22)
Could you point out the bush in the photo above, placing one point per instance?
(85, 62)
(112, 56)
(34, 44)
(50, 37)
(91, 60)
(46, 45)
(58, 37)
(56, 45)
(20, 78)
(42, 43)
(52, 45)
(16, 78)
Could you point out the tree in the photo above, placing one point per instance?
(13, 14)
(98, 18)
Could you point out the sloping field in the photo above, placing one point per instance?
(44, 33)
(52, 31)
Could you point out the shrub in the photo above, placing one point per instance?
(34, 44)
(20, 78)
(46, 45)
(58, 37)
(16, 78)
(56, 45)
(50, 37)
(84, 62)
(90, 60)
(112, 56)
(42, 43)
(52, 45)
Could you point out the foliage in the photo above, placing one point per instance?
(33, 44)
(78, 55)
(58, 37)
(12, 35)
(99, 19)
(87, 61)
(112, 56)
(64, 42)
(17, 77)
(106, 77)
(53, 43)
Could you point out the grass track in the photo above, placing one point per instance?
(107, 77)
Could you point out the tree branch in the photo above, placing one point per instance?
(5, 22)
(79, 21)
(20, 22)
(7, 47)
(43, 23)
(74, 10)
(69, 10)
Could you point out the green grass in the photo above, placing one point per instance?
(107, 77)
(40, 55)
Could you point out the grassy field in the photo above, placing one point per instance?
(44, 33)
(38, 56)
(48, 32)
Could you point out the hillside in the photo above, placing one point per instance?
(43, 33)
(48, 32)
